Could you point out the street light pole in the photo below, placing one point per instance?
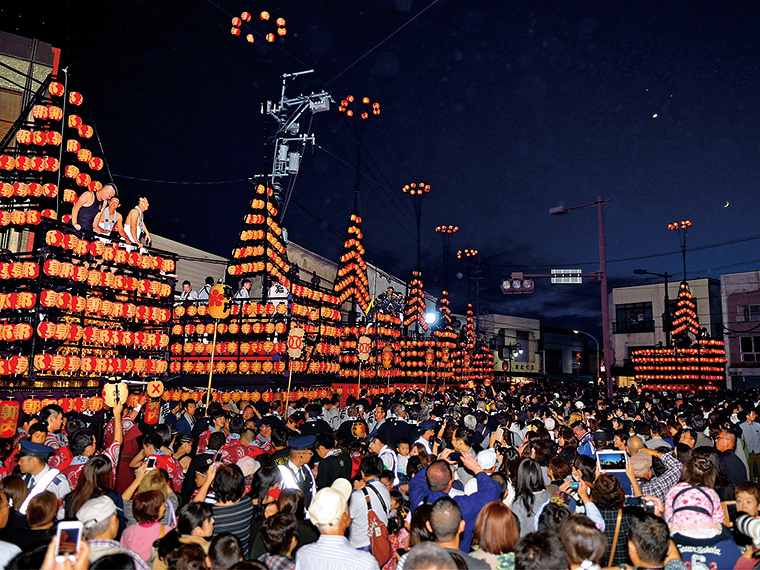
(666, 324)
(470, 254)
(598, 363)
(417, 192)
(446, 231)
(600, 202)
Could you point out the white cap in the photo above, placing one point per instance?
(344, 487)
(327, 506)
(487, 459)
(95, 511)
(248, 465)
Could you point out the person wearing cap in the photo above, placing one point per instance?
(38, 475)
(427, 431)
(329, 513)
(100, 527)
(296, 473)
(487, 461)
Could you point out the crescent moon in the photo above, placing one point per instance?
(727, 203)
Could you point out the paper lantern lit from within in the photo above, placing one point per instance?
(9, 412)
(56, 89)
(152, 410)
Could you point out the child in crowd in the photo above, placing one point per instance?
(148, 509)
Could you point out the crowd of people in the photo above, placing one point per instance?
(529, 477)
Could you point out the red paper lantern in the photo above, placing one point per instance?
(31, 406)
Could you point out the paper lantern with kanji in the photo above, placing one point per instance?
(89, 363)
(9, 412)
(18, 364)
(72, 363)
(42, 361)
(46, 329)
(31, 406)
(67, 404)
(152, 410)
(95, 404)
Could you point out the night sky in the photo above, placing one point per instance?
(505, 108)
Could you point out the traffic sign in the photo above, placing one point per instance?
(566, 276)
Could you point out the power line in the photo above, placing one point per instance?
(649, 256)
(393, 33)
(179, 182)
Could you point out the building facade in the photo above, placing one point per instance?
(517, 351)
(637, 316)
(740, 300)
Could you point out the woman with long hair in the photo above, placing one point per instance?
(530, 493)
(96, 480)
(264, 480)
(495, 536)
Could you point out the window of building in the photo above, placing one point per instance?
(750, 348)
(747, 313)
(633, 318)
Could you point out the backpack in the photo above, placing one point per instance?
(379, 539)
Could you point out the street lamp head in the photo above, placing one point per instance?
(558, 210)
(576, 331)
(641, 271)
(416, 189)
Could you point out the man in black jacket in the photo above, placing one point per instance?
(333, 463)
(731, 466)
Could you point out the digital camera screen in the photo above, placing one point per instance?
(611, 460)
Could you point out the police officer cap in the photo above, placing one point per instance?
(428, 424)
(303, 442)
(31, 449)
